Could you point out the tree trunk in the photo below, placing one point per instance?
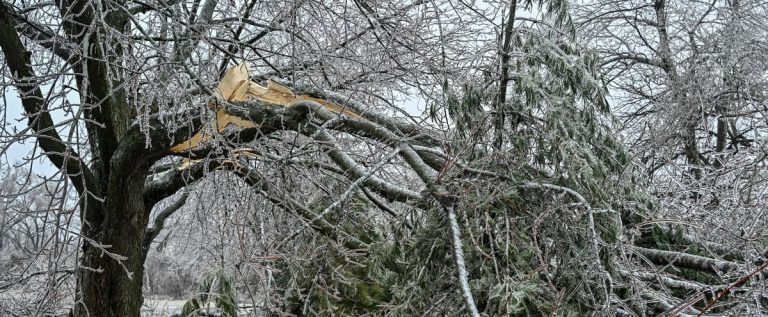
(500, 114)
(114, 287)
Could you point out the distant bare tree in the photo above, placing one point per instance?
(36, 250)
(689, 81)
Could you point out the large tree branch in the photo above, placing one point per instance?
(164, 184)
(417, 133)
(306, 117)
(98, 77)
(151, 233)
(272, 118)
(18, 60)
(448, 203)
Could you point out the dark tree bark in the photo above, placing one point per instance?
(113, 208)
(501, 112)
(116, 194)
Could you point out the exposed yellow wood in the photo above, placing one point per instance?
(223, 119)
(185, 163)
(191, 143)
(244, 152)
(234, 84)
(237, 86)
(271, 85)
(264, 94)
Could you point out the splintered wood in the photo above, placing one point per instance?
(237, 86)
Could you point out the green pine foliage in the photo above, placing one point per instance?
(531, 249)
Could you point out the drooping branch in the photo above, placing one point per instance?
(355, 171)
(272, 118)
(306, 117)
(357, 184)
(383, 206)
(461, 266)
(168, 182)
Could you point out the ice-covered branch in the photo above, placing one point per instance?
(42, 35)
(685, 260)
(17, 58)
(159, 223)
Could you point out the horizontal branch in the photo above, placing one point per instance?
(717, 249)
(25, 278)
(670, 281)
(684, 260)
(417, 133)
(635, 58)
(161, 185)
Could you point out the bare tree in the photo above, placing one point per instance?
(37, 253)
(688, 81)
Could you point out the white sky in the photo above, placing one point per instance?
(20, 151)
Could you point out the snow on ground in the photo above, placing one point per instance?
(160, 307)
(156, 307)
